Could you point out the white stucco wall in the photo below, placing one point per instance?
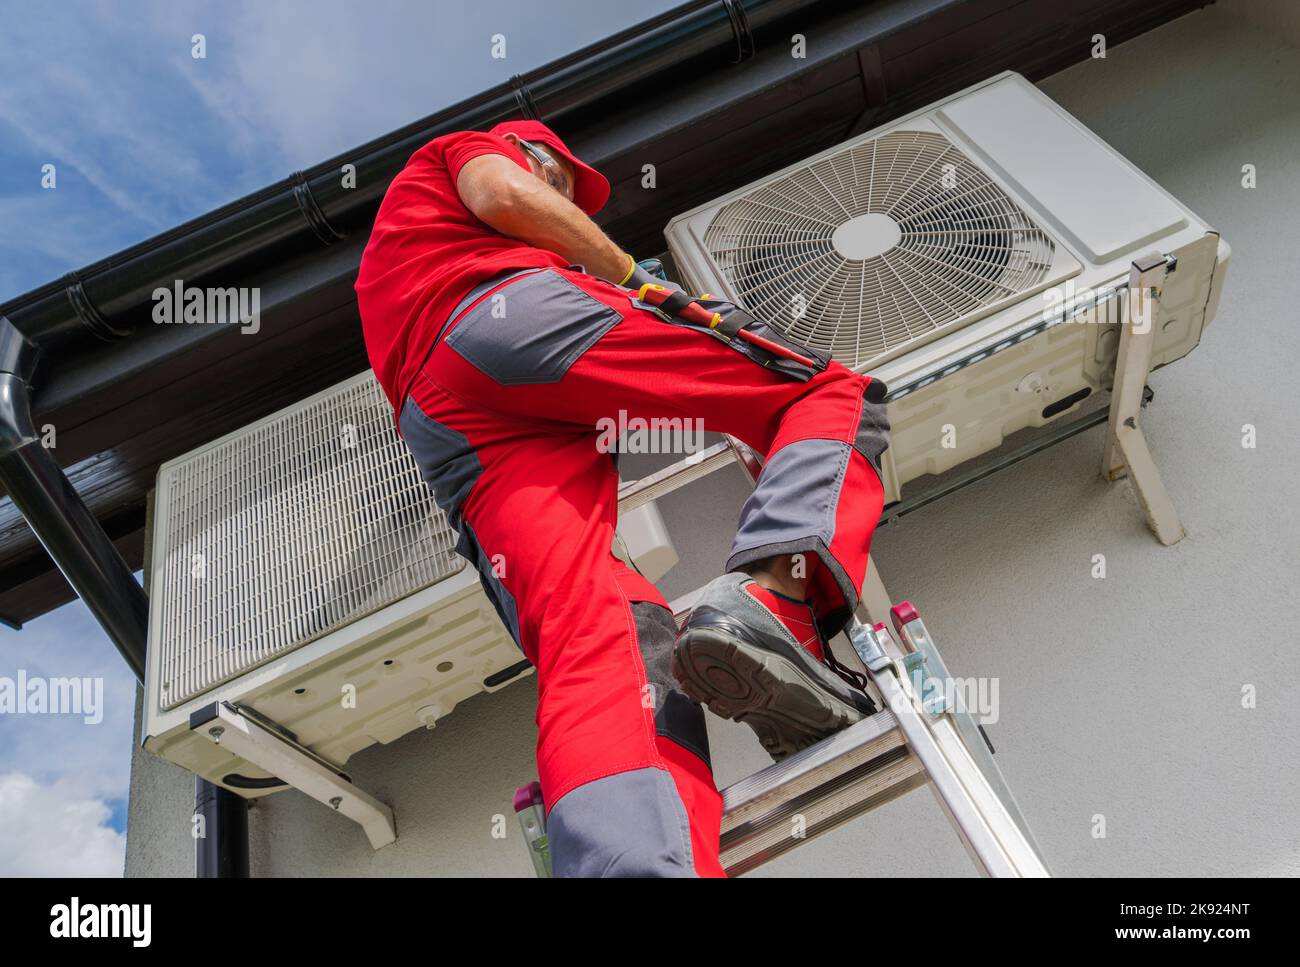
(1119, 697)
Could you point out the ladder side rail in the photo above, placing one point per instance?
(982, 820)
(911, 630)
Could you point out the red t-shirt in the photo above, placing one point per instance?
(426, 251)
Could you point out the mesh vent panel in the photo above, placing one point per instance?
(287, 532)
(942, 241)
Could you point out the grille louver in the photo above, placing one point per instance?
(287, 531)
(877, 246)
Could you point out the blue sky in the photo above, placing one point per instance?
(142, 136)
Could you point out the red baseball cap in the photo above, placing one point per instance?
(590, 187)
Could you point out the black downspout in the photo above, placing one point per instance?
(75, 540)
(222, 852)
(56, 513)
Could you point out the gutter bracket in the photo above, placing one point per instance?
(85, 310)
(741, 29)
(311, 211)
(524, 99)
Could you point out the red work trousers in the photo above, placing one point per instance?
(504, 421)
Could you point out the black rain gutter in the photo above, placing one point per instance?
(311, 204)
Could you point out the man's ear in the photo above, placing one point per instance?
(515, 142)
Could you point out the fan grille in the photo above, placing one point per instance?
(286, 532)
(876, 246)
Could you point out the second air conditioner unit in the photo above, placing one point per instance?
(304, 587)
(972, 255)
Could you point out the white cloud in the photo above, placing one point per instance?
(51, 831)
(56, 98)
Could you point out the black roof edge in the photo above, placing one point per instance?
(313, 206)
(720, 126)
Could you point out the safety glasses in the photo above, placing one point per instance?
(555, 176)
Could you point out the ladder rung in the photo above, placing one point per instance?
(681, 607)
(814, 791)
(633, 493)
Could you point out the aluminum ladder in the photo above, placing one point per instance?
(919, 737)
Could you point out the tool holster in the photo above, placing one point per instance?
(733, 320)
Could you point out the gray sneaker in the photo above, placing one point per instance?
(736, 657)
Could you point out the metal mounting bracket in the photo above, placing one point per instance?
(1126, 452)
(224, 725)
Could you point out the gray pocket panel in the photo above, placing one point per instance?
(532, 330)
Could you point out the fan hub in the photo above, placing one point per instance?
(866, 236)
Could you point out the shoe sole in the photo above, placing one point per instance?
(744, 682)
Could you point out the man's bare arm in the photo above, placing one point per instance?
(512, 201)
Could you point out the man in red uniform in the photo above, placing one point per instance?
(504, 326)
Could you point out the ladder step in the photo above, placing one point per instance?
(814, 791)
(633, 493)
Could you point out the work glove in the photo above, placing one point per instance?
(647, 271)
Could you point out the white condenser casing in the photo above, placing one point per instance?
(973, 255)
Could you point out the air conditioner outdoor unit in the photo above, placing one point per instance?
(305, 593)
(974, 256)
